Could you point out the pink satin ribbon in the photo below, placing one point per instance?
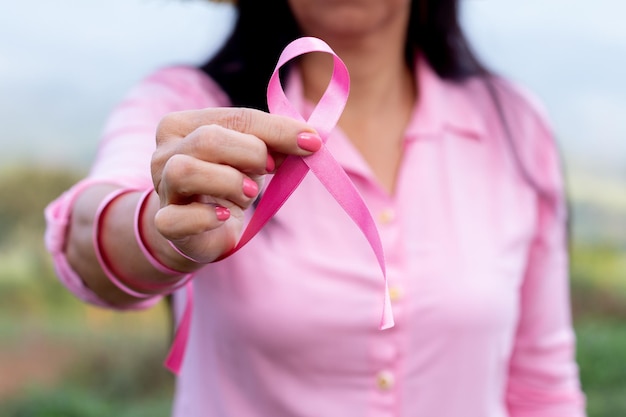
(293, 170)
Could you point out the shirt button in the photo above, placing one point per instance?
(385, 380)
(395, 293)
(386, 216)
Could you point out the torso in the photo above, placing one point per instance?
(297, 310)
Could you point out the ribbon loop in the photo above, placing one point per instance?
(293, 170)
(328, 110)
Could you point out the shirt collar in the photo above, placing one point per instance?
(443, 106)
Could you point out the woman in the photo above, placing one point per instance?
(456, 165)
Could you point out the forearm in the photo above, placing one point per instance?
(118, 243)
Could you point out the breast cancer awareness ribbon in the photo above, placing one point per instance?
(293, 170)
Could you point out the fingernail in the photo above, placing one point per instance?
(309, 141)
(222, 213)
(271, 165)
(250, 188)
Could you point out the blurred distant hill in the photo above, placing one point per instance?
(598, 208)
(597, 202)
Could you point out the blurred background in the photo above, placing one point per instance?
(65, 64)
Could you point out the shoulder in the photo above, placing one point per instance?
(527, 116)
(523, 109)
(531, 135)
(180, 86)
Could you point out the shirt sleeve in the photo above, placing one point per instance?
(123, 158)
(543, 374)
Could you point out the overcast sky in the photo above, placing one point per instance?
(65, 63)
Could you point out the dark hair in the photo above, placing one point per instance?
(246, 61)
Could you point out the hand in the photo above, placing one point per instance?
(208, 168)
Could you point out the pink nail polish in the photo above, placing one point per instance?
(309, 141)
(271, 165)
(250, 188)
(222, 213)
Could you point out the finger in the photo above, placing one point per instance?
(280, 133)
(198, 229)
(216, 144)
(177, 222)
(219, 145)
(185, 177)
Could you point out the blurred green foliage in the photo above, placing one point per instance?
(110, 364)
(25, 191)
(129, 384)
(602, 361)
(111, 367)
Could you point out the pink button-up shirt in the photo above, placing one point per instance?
(476, 263)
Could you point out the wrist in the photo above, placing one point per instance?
(106, 254)
(157, 249)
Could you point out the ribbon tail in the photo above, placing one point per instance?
(175, 357)
(386, 321)
(334, 178)
(283, 184)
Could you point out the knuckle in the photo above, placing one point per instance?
(239, 119)
(259, 153)
(165, 126)
(171, 223)
(176, 170)
(163, 222)
(156, 167)
(172, 124)
(204, 141)
(209, 135)
(158, 159)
